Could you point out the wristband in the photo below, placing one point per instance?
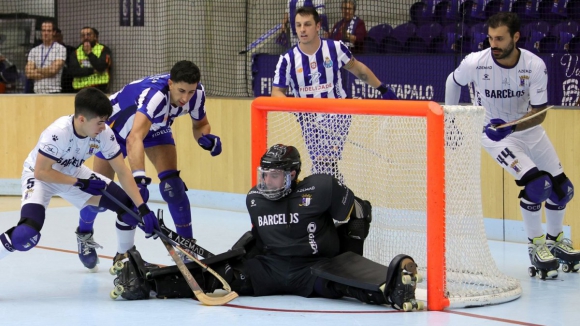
(382, 88)
(138, 173)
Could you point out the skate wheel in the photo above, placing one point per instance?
(543, 274)
(119, 289)
(113, 295)
(117, 266)
(116, 281)
(531, 271)
(407, 306)
(566, 268)
(420, 305)
(552, 274)
(418, 278)
(407, 279)
(94, 269)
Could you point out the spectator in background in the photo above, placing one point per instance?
(90, 63)
(290, 15)
(350, 29)
(46, 61)
(66, 81)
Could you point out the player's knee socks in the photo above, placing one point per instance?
(125, 237)
(554, 218)
(87, 218)
(173, 192)
(118, 193)
(532, 215)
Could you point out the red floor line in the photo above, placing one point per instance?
(331, 311)
(515, 322)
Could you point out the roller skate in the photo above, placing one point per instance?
(87, 250)
(562, 249)
(119, 260)
(402, 279)
(130, 282)
(544, 263)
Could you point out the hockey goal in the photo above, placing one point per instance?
(419, 165)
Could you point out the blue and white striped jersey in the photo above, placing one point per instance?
(505, 92)
(150, 96)
(316, 75)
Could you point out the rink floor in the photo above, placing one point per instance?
(49, 286)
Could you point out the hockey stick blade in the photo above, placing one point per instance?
(171, 246)
(515, 122)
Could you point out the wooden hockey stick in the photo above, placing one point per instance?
(171, 246)
(515, 122)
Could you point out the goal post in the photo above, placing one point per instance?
(397, 155)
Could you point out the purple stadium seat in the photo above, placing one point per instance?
(533, 42)
(478, 10)
(478, 34)
(429, 32)
(574, 10)
(574, 45)
(526, 10)
(571, 27)
(549, 44)
(379, 32)
(391, 45)
(445, 13)
(375, 36)
(541, 26)
(415, 44)
(466, 12)
(493, 7)
(559, 8)
(404, 31)
(451, 34)
(418, 13)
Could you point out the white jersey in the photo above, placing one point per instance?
(61, 143)
(316, 75)
(44, 56)
(504, 92)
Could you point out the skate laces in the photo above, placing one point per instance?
(542, 251)
(566, 245)
(87, 243)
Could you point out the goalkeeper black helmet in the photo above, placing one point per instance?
(275, 171)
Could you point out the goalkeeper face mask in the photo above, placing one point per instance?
(274, 184)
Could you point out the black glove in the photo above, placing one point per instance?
(150, 221)
(142, 183)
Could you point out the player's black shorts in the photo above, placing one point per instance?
(281, 275)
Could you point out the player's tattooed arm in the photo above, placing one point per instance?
(278, 92)
(533, 121)
(361, 71)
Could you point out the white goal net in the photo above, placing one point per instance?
(383, 160)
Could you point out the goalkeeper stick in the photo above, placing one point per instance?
(171, 246)
(515, 122)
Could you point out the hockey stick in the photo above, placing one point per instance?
(259, 42)
(171, 246)
(515, 122)
(186, 243)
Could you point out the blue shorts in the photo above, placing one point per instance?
(163, 136)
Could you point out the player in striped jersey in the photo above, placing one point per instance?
(511, 83)
(290, 14)
(143, 112)
(312, 70)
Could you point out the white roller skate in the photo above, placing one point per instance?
(544, 263)
(562, 249)
(88, 250)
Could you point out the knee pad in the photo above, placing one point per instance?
(24, 237)
(562, 190)
(537, 186)
(172, 188)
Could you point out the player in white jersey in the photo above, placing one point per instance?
(511, 83)
(143, 112)
(312, 70)
(55, 167)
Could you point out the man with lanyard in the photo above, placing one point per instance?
(45, 62)
(350, 29)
